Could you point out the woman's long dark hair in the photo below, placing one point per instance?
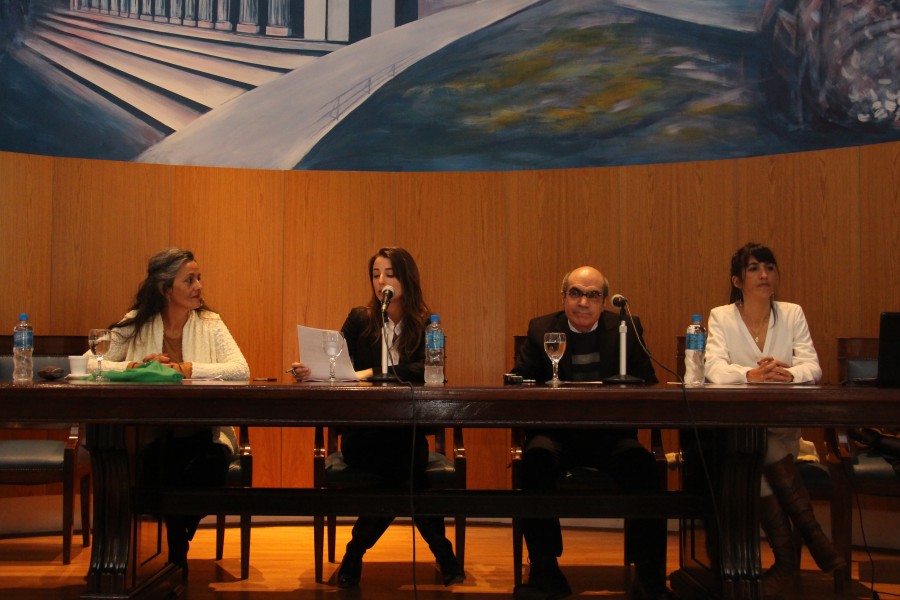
(741, 260)
(150, 299)
(415, 311)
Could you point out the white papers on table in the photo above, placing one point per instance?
(312, 354)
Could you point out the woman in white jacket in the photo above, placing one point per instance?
(170, 323)
(757, 339)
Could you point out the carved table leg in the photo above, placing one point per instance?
(108, 573)
(739, 513)
(119, 569)
(720, 554)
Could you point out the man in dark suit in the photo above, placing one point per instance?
(592, 354)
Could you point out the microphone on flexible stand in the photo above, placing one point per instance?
(387, 294)
(620, 302)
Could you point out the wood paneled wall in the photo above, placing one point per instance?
(281, 248)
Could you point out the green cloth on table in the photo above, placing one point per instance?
(149, 372)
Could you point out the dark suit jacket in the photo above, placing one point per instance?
(365, 351)
(532, 361)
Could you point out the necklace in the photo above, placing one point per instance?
(759, 329)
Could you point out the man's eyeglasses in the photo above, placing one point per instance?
(577, 294)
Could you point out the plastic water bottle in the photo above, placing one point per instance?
(23, 345)
(694, 351)
(434, 352)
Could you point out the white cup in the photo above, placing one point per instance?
(78, 365)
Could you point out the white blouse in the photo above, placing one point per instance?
(731, 350)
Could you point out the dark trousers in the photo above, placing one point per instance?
(396, 457)
(631, 466)
(189, 462)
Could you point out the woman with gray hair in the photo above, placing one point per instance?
(169, 323)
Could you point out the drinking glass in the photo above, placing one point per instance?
(333, 344)
(99, 341)
(555, 347)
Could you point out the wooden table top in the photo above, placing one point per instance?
(303, 404)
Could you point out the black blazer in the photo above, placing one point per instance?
(532, 362)
(365, 350)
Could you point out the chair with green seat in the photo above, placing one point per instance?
(58, 457)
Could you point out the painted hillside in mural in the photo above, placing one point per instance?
(408, 85)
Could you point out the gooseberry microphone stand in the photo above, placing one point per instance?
(623, 377)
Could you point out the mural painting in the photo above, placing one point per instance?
(407, 85)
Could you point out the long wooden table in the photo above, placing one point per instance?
(731, 423)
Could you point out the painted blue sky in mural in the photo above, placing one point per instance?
(449, 84)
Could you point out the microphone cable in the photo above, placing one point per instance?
(875, 594)
(392, 367)
(728, 559)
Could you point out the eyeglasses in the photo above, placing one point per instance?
(577, 294)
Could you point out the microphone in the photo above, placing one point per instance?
(623, 377)
(619, 301)
(387, 294)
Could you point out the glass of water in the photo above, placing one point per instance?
(99, 341)
(333, 344)
(555, 347)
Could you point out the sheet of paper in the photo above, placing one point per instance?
(312, 354)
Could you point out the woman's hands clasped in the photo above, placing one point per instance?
(770, 369)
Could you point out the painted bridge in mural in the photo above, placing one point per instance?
(231, 86)
(175, 64)
(317, 20)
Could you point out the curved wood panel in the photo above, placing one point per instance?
(26, 212)
(282, 248)
(110, 218)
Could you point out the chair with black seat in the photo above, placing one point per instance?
(446, 470)
(576, 478)
(864, 466)
(240, 474)
(58, 457)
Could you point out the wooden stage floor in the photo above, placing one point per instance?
(281, 567)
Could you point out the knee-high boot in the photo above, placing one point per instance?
(777, 526)
(791, 492)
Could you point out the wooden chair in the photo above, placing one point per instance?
(59, 457)
(865, 470)
(240, 474)
(446, 470)
(577, 478)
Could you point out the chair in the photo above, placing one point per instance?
(59, 347)
(865, 470)
(446, 470)
(240, 474)
(822, 480)
(51, 460)
(578, 478)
